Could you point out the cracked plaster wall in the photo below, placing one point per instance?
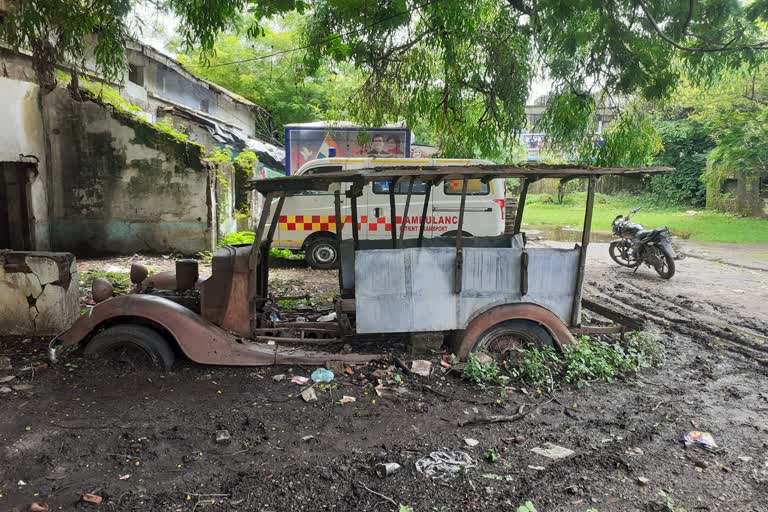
(39, 292)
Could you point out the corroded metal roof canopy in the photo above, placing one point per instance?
(436, 174)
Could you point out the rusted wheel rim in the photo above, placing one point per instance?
(503, 346)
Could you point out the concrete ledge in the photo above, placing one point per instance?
(39, 292)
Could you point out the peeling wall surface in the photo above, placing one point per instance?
(119, 185)
(39, 292)
(22, 133)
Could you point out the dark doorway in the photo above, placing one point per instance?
(15, 232)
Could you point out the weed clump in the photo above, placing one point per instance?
(480, 372)
(588, 360)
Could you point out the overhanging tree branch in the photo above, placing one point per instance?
(724, 48)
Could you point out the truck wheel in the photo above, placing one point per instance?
(321, 253)
(504, 340)
(133, 344)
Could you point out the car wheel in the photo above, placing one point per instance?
(505, 340)
(321, 253)
(133, 344)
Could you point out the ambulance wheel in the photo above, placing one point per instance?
(321, 253)
(452, 234)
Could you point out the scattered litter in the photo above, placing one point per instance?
(5, 363)
(745, 458)
(91, 498)
(635, 451)
(703, 439)
(389, 392)
(421, 367)
(308, 438)
(124, 477)
(471, 442)
(5, 389)
(386, 469)
(9, 378)
(552, 451)
(279, 377)
(271, 342)
(378, 374)
(349, 371)
(309, 395)
(642, 480)
(445, 364)
(298, 379)
(22, 483)
(445, 464)
(330, 317)
(223, 437)
(347, 400)
(322, 375)
(23, 387)
(337, 367)
(501, 478)
(537, 468)
(38, 507)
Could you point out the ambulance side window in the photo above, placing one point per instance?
(474, 188)
(322, 170)
(382, 187)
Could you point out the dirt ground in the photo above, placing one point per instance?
(145, 441)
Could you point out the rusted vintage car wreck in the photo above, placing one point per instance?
(489, 294)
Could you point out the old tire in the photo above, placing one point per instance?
(136, 340)
(504, 340)
(321, 253)
(617, 255)
(666, 267)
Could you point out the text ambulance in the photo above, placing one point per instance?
(308, 222)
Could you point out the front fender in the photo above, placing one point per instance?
(524, 311)
(200, 340)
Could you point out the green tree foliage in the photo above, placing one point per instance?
(466, 65)
(712, 132)
(281, 83)
(462, 66)
(686, 146)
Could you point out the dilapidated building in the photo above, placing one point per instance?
(123, 167)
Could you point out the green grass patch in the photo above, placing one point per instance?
(246, 237)
(705, 226)
(121, 281)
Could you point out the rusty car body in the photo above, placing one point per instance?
(481, 293)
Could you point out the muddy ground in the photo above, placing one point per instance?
(82, 426)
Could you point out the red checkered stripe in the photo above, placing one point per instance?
(328, 223)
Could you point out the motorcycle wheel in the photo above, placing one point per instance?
(665, 266)
(619, 253)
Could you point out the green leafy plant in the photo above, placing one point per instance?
(587, 360)
(526, 507)
(491, 455)
(481, 372)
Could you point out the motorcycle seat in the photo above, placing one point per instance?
(645, 233)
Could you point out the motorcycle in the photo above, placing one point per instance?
(638, 245)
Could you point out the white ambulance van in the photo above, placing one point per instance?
(308, 221)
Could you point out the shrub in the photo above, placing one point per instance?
(479, 372)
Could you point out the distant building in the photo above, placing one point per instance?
(738, 193)
(88, 177)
